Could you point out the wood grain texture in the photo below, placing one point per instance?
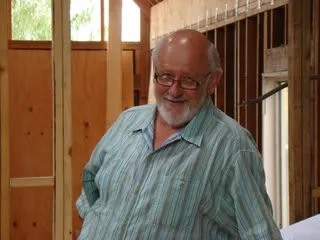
(61, 75)
(127, 79)
(299, 110)
(145, 55)
(31, 219)
(242, 85)
(114, 66)
(88, 114)
(31, 113)
(5, 122)
(32, 182)
(193, 14)
(252, 75)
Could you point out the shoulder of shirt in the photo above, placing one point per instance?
(230, 126)
(138, 109)
(136, 117)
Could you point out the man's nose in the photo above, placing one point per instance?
(175, 90)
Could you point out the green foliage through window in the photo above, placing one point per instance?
(31, 20)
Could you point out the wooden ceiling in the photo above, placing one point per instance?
(146, 4)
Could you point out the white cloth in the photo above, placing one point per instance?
(308, 229)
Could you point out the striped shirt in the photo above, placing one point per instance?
(205, 182)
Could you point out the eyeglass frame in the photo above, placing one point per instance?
(198, 83)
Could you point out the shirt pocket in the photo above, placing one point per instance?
(175, 202)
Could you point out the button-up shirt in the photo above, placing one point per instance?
(205, 182)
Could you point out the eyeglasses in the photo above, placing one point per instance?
(168, 80)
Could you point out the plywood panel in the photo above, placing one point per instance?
(30, 113)
(31, 218)
(127, 79)
(88, 113)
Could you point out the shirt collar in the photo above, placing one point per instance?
(193, 132)
(145, 122)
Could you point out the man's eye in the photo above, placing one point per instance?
(166, 75)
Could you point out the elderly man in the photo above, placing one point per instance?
(180, 169)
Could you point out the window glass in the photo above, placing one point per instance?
(31, 20)
(130, 21)
(85, 20)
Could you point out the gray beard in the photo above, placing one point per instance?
(181, 119)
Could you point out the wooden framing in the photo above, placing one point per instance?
(299, 110)
(144, 54)
(242, 46)
(316, 115)
(220, 90)
(62, 128)
(102, 20)
(230, 70)
(114, 67)
(221, 20)
(252, 74)
(32, 182)
(4, 102)
(46, 45)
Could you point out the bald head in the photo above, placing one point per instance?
(188, 45)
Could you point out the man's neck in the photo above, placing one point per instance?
(162, 131)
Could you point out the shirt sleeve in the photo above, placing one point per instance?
(90, 192)
(252, 205)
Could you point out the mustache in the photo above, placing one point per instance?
(175, 99)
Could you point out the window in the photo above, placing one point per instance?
(31, 20)
(85, 20)
(130, 21)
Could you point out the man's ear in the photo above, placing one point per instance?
(214, 81)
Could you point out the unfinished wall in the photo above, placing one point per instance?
(31, 132)
(170, 15)
(31, 143)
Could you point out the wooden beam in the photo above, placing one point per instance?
(32, 182)
(230, 70)
(127, 79)
(114, 66)
(299, 110)
(259, 65)
(145, 9)
(315, 96)
(220, 90)
(46, 45)
(102, 25)
(63, 125)
(145, 55)
(5, 130)
(252, 75)
(242, 46)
